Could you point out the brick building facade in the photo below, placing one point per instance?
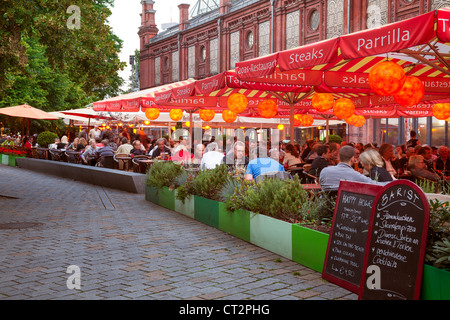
(211, 42)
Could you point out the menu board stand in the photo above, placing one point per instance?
(396, 243)
(348, 236)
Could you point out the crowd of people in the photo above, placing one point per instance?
(327, 162)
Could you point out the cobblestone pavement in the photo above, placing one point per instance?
(129, 248)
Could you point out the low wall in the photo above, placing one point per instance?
(116, 179)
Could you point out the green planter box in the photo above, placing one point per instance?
(236, 223)
(151, 194)
(309, 247)
(271, 234)
(206, 211)
(186, 208)
(166, 198)
(8, 160)
(435, 284)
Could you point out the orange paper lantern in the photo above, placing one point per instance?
(176, 114)
(206, 115)
(356, 120)
(267, 108)
(441, 111)
(322, 101)
(229, 116)
(297, 120)
(343, 108)
(152, 113)
(237, 102)
(386, 78)
(411, 93)
(306, 120)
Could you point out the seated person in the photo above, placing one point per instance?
(89, 154)
(63, 143)
(262, 165)
(198, 153)
(237, 157)
(181, 155)
(418, 169)
(291, 156)
(212, 157)
(330, 177)
(137, 149)
(8, 142)
(321, 161)
(105, 151)
(371, 161)
(161, 150)
(125, 147)
(442, 163)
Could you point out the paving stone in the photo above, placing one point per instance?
(132, 249)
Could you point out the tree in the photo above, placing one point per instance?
(46, 63)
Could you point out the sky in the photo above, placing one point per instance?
(125, 21)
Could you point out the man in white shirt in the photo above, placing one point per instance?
(212, 157)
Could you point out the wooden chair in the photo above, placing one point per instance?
(106, 162)
(55, 155)
(140, 167)
(122, 164)
(73, 157)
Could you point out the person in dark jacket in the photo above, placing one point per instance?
(371, 161)
(321, 161)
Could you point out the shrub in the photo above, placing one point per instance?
(45, 138)
(165, 174)
(333, 138)
(438, 242)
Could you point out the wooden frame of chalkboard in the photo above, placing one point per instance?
(348, 236)
(396, 243)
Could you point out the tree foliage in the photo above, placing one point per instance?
(50, 66)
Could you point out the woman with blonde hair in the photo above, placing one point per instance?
(373, 163)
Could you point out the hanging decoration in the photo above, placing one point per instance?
(386, 78)
(152, 113)
(206, 115)
(356, 120)
(229, 116)
(322, 102)
(305, 120)
(411, 93)
(237, 102)
(441, 111)
(343, 108)
(176, 114)
(267, 108)
(297, 120)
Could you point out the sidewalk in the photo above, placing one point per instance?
(128, 248)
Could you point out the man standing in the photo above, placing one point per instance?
(95, 133)
(330, 177)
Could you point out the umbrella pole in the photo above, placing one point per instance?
(291, 122)
(327, 128)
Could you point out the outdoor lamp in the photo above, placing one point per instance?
(176, 114)
(206, 115)
(322, 101)
(267, 108)
(152, 113)
(343, 108)
(411, 93)
(229, 116)
(386, 78)
(237, 102)
(280, 127)
(188, 124)
(146, 122)
(441, 111)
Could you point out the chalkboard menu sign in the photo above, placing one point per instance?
(348, 237)
(396, 243)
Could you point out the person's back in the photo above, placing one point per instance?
(330, 177)
(212, 157)
(262, 165)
